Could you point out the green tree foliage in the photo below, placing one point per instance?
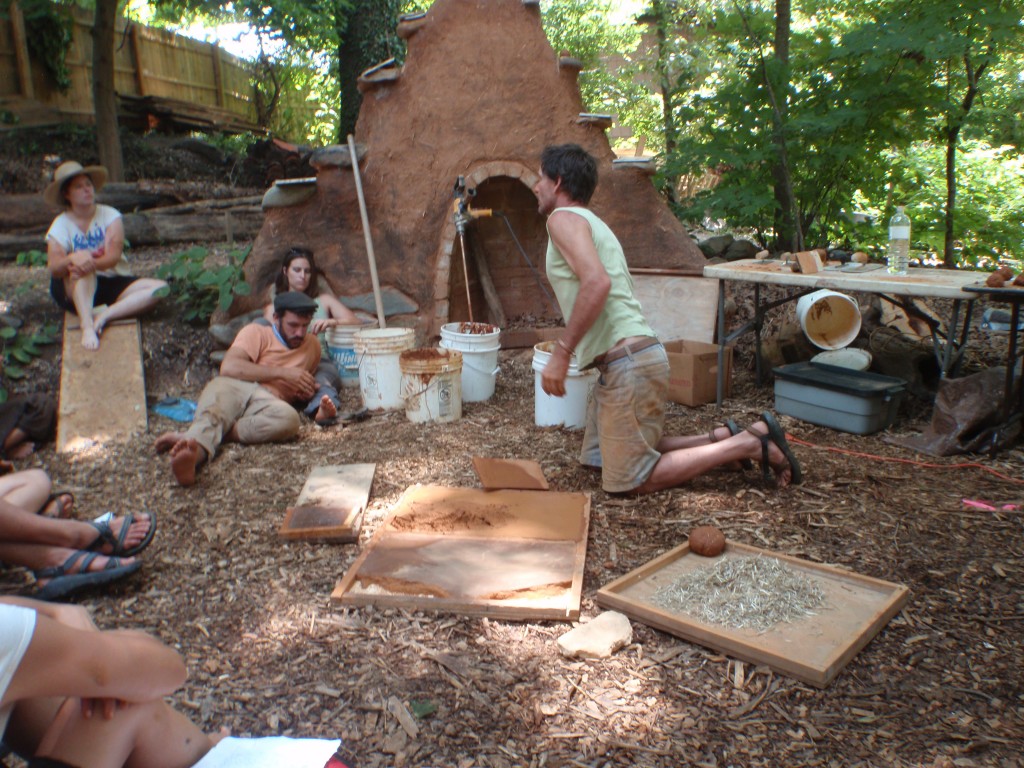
(201, 289)
(864, 87)
(18, 349)
(610, 80)
(48, 27)
(331, 41)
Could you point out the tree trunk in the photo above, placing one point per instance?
(953, 126)
(367, 35)
(103, 94)
(786, 230)
(668, 119)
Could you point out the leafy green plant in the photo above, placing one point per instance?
(18, 350)
(200, 289)
(32, 258)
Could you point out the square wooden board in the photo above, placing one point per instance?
(331, 504)
(521, 474)
(510, 554)
(813, 649)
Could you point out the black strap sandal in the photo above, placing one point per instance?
(117, 542)
(777, 435)
(733, 427)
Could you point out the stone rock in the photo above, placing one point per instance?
(288, 195)
(740, 249)
(715, 246)
(334, 156)
(597, 639)
(394, 302)
(224, 333)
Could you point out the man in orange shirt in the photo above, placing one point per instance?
(268, 370)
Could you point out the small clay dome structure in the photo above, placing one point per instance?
(481, 93)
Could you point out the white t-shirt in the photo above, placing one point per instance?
(66, 233)
(16, 627)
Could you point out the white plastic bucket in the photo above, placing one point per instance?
(851, 357)
(380, 377)
(479, 344)
(830, 320)
(341, 348)
(571, 410)
(432, 384)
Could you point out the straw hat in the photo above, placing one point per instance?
(66, 172)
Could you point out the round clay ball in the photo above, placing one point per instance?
(995, 280)
(707, 540)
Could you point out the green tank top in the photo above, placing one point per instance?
(622, 315)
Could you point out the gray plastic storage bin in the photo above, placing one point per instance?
(851, 401)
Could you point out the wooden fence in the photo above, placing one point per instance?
(158, 76)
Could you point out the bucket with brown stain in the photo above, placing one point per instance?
(431, 384)
(830, 320)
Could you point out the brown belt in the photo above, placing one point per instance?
(628, 349)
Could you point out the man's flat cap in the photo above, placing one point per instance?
(294, 301)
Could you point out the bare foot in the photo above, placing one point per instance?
(168, 440)
(326, 413)
(90, 340)
(21, 450)
(99, 323)
(186, 455)
(59, 506)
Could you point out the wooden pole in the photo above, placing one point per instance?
(366, 231)
(140, 71)
(218, 77)
(21, 58)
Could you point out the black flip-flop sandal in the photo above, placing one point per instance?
(733, 427)
(777, 435)
(116, 543)
(61, 583)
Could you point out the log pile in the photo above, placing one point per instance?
(155, 213)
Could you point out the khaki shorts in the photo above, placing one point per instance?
(625, 419)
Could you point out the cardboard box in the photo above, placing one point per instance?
(693, 371)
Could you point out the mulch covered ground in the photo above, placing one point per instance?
(268, 654)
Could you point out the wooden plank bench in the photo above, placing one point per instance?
(103, 391)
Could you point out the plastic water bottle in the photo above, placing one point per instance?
(899, 243)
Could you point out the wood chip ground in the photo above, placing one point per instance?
(940, 686)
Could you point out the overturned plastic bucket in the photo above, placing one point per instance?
(380, 376)
(830, 320)
(569, 411)
(479, 344)
(341, 348)
(432, 384)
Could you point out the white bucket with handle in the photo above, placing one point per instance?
(380, 375)
(341, 348)
(569, 411)
(431, 384)
(479, 344)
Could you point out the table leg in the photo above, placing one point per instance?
(1011, 364)
(720, 382)
(758, 325)
(945, 361)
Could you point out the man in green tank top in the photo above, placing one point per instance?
(606, 329)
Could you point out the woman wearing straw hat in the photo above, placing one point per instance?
(85, 247)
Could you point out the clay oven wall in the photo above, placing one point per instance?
(481, 93)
